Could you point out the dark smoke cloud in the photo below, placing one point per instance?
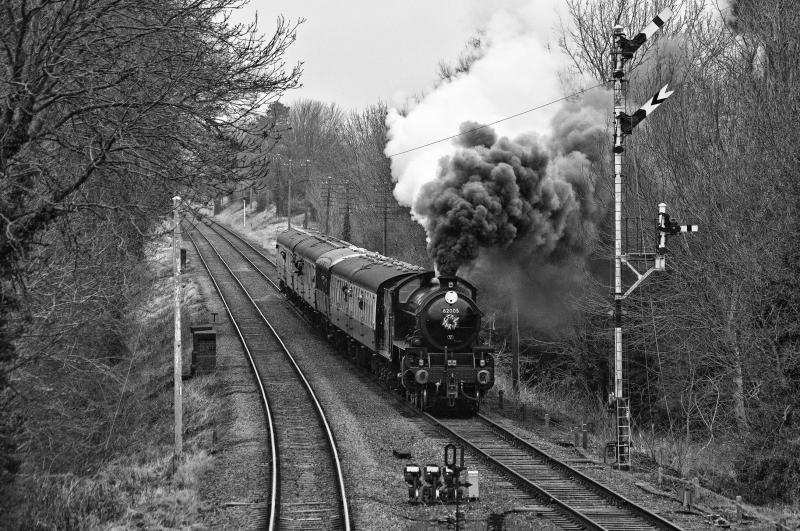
(528, 198)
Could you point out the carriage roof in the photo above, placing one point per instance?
(371, 271)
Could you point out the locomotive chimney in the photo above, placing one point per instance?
(448, 282)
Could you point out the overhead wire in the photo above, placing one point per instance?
(578, 93)
(357, 186)
(451, 137)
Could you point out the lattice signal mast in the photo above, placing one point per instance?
(623, 50)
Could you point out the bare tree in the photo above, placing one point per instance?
(110, 107)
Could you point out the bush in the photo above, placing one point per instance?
(65, 502)
(770, 476)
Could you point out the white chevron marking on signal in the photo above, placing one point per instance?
(657, 100)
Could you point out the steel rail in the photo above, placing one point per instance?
(614, 498)
(582, 518)
(275, 468)
(596, 485)
(307, 385)
(212, 224)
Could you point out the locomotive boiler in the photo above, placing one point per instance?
(408, 326)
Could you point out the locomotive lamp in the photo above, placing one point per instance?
(412, 474)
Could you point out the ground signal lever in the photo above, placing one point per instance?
(431, 491)
(667, 227)
(442, 484)
(413, 476)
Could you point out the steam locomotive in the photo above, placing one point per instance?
(398, 320)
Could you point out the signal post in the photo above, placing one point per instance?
(623, 50)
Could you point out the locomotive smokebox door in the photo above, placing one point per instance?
(204, 349)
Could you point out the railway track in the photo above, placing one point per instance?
(583, 502)
(241, 244)
(570, 499)
(307, 485)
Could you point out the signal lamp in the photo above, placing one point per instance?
(431, 474)
(411, 474)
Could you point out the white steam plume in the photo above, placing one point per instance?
(519, 70)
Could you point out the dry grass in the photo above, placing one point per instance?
(135, 485)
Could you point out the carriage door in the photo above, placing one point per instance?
(388, 323)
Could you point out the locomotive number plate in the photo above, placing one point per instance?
(451, 310)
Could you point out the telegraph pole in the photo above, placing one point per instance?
(515, 344)
(305, 195)
(346, 228)
(622, 52)
(328, 208)
(289, 198)
(178, 362)
(385, 219)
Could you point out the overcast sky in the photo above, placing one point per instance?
(356, 52)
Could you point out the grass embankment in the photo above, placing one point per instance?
(133, 484)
